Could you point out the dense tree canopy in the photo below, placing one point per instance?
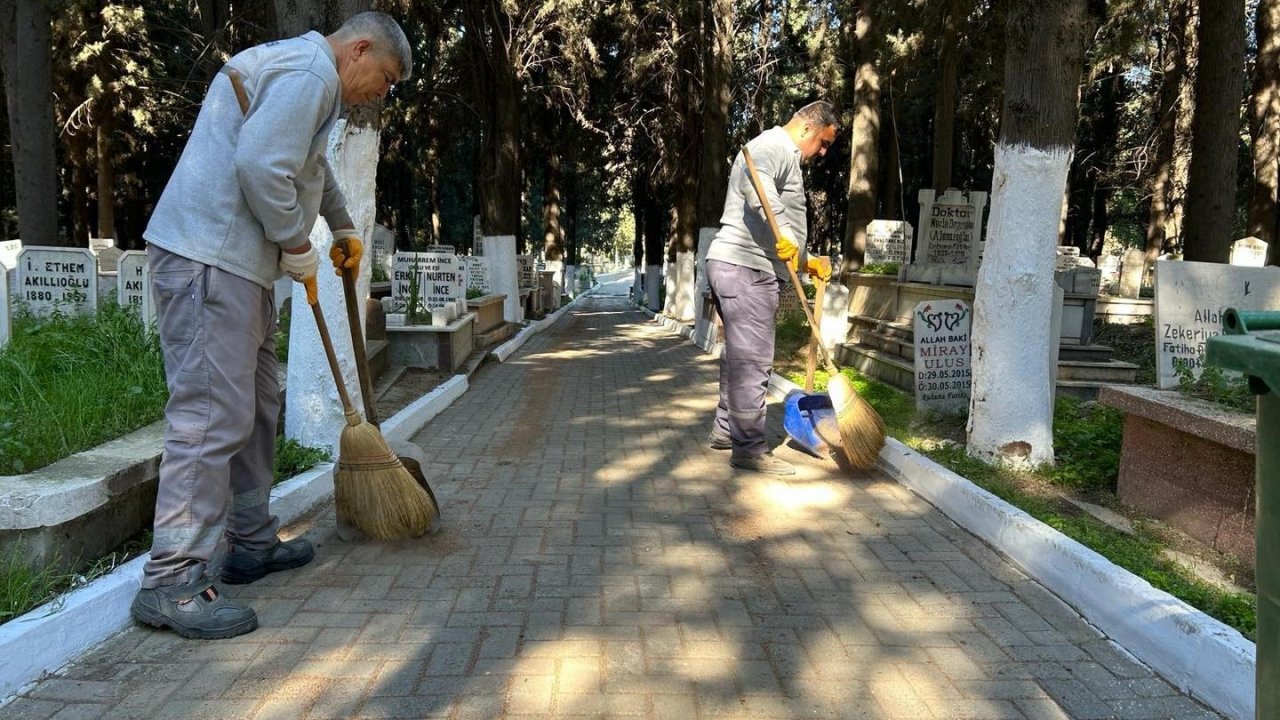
(582, 126)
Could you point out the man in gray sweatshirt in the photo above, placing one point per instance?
(235, 215)
(745, 267)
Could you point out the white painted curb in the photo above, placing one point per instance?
(508, 348)
(52, 635)
(1199, 655)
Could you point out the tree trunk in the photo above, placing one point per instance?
(1011, 405)
(106, 172)
(553, 234)
(713, 178)
(25, 37)
(296, 17)
(944, 110)
(1265, 120)
(864, 158)
(1174, 66)
(1211, 180)
(760, 97)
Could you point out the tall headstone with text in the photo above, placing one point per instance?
(888, 241)
(1191, 298)
(950, 247)
(108, 255)
(51, 279)
(130, 283)
(526, 272)
(478, 274)
(943, 372)
(436, 277)
(1249, 252)
(382, 247)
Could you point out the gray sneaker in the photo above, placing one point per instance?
(716, 441)
(765, 463)
(244, 566)
(194, 610)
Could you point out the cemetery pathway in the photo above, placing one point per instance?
(599, 561)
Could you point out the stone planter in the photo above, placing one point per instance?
(1190, 464)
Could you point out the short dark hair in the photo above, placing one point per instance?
(820, 113)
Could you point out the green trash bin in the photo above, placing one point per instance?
(1250, 344)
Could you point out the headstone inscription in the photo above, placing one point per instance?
(1249, 252)
(426, 280)
(478, 275)
(949, 248)
(52, 279)
(1191, 298)
(130, 289)
(943, 374)
(383, 247)
(888, 241)
(525, 272)
(1068, 258)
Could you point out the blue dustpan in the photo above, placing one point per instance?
(809, 420)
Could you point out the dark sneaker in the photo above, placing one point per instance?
(765, 463)
(194, 610)
(716, 441)
(244, 566)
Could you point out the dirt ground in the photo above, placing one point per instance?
(408, 387)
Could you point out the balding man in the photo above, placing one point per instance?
(236, 215)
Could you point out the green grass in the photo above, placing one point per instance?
(23, 588)
(1087, 443)
(293, 457)
(69, 383)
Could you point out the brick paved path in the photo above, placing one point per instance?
(598, 561)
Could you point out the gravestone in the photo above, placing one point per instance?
(437, 277)
(1109, 265)
(1249, 252)
(1068, 258)
(1132, 269)
(442, 249)
(500, 250)
(478, 274)
(106, 252)
(382, 247)
(5, 311)
(1190, 300)
(788, 301)
(888, 241)
(525, 272)
(943, 374)
(52, 279)
(951, 232)
(9, 250)
(130, 287)
(477, 237)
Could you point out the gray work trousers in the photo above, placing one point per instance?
(217, 333)
(747, 300)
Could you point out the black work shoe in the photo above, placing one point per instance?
(765, 463)
(716, 441)
(244, 566)
(193, 610)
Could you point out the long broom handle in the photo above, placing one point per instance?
(357, 335)
(795, 279)
(313, 299)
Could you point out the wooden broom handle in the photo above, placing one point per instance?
(357, 334)
(313, 299)
(795, 279)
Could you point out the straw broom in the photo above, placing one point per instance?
(861, 428)
(372, 490)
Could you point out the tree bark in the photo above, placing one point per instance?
(1174, 59)
(864, 158)
(25, 37)
(1211, 180)
(106, 172)
(944, 111)
(553, 233)
(1011, 405)
(1264, 109)
(713, 178)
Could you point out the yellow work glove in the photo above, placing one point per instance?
(819, 267)
(786, 249)
(346, 251)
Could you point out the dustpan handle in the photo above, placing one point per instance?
(795, 279)
(313, 299)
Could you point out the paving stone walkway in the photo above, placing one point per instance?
(598, 561)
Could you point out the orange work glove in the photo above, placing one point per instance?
(819, 267)
(346, 251)
(786, 249)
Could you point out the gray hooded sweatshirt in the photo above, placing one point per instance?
(248, 185)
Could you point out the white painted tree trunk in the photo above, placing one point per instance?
(313, 411)
(1011, 407)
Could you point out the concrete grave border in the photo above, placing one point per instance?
(49, 637)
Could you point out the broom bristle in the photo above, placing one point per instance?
(861, 427)
(374, 492)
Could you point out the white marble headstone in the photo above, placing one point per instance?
(525, 271)
(383, 246)
(1191, 298)
(5, 310)
(437, 277)
(130, 287)
(1132, 269)
(952, 229)
(1068, 257)
(442, 249)
(943, 374)
(888, 241)
(52, 279)
(1249, 252)
(501, 253)
(9, 250)
(105, 250)
(478, 274)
